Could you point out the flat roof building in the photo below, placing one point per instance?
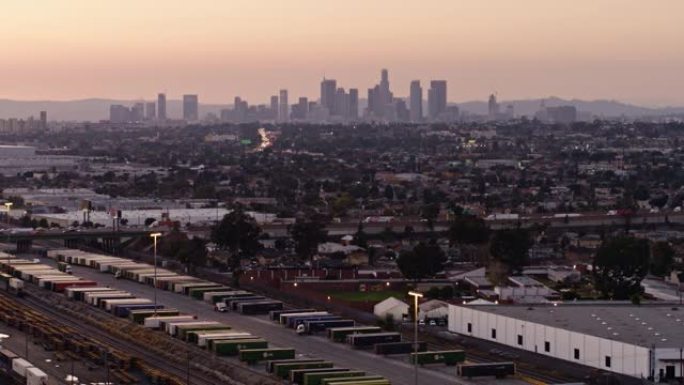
(639, 341)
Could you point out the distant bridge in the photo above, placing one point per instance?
(110, 238)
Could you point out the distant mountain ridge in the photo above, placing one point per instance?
(97, 109)
(599, 108)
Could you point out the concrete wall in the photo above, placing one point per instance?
(625, 358)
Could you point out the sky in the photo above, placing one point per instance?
(627, 50)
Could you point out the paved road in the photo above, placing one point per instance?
(398, 370)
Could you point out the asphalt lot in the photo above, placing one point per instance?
(397, 369)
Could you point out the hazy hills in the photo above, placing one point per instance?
(98, 109)
(598, 108)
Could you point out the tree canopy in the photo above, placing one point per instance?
(468, 229)
(424, 261)
(238, 233)
(619, 266)
(662, 259)
(511, 247)
(307, 234)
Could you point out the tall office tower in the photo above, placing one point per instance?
(43, 120)
(416, 101)
(380, 98)
(301, 109)
(119, 113)
(274, 106)
(161, 107)
(341, 103)
(385, 94)
(328, 91)
(437, 98)
(493, 107)
(138, 112)
(190, 108)
(283, 112)
(353, 103)
(150, 111)
(401, 111)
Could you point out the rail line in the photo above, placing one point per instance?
(147, 360)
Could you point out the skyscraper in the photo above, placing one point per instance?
(353, 104)
(138, 112)
(283, 112)
(43, 119)
(328, 91)
(416, 101)
(437, 98)
(380, 99)
(274, 106)
(161, 107)
(493, 107)
(341, 103)
(190, 108)
(150, 111)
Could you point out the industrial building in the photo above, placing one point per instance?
(639, 341)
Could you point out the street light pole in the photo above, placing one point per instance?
(415, 296)
(155, 236)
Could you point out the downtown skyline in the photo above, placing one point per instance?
(530, 49)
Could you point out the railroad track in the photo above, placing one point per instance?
(478, 356)
(86, 330)
(104, 337)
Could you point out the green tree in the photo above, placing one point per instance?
(360, 238)
(307, 234)
(619, 266)
(662, 259)
(424, 261)
(468, 229)
(239, 234)
(510, 247)
(429, 212)
(193, 253)
(389, 192)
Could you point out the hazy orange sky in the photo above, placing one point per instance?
(628, 50)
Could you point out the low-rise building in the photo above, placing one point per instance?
(638, 341)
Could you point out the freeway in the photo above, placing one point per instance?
(398, 370)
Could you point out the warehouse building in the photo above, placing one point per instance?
(638, 341)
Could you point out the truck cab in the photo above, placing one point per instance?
(221, 307)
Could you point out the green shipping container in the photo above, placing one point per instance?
(448, 357)
(138, 316)
(270, 365)
(183, 332)
(352, 380)
(297, 375)
(316, 378)
(360, 382)
(283, 370)
(255, 355)
(198, 293)
(193, 336)
(231, 348)
(340, 334)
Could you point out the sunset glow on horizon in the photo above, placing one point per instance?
(626, 50)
